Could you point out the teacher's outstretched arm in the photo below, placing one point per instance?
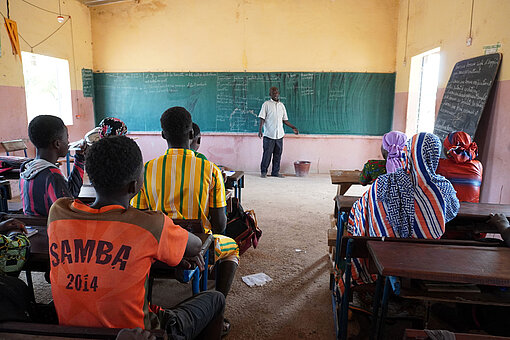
(286, 122)
(262, 120)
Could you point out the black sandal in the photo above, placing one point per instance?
(226, 327)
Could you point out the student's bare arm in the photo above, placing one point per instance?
(194, 246)
(286, 122)
(218, 219)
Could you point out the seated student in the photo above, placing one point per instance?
(185, 186)
(101, 254)
(460, 167)
(413, 202)
(195, 142)
(392, 145)
(41, 182)
(111, 126)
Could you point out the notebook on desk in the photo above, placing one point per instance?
(31, 231)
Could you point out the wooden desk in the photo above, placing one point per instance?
(13, 162)
(345, 203)
(344, 179)
(468, 212)
(236, 181)
(5, 194)
(447, 263)
(481, 211)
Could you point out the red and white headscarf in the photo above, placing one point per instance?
(459, 147)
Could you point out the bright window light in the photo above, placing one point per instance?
(47, 87)
(421, 104)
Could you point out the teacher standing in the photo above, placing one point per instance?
(272, 116)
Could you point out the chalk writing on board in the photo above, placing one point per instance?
(88, 82)
(322, 103)
(466, 94)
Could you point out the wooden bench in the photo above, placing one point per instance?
(27, 330)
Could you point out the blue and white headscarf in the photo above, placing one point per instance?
(413, 201)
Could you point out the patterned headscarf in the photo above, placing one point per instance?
(394, 143)
(413, 201)
(112, 127)
(459, 148)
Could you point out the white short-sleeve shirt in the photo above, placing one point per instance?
(274, 113)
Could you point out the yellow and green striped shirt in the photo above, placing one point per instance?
(182, 186)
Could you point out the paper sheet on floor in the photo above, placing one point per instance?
(258, 279)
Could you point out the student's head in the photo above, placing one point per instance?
(50, 133)
(195, 142)
(115, 165)
(459, 147)
(393, 144)
(177, 126)
(274, 93)
(112, 127)
(384, 152)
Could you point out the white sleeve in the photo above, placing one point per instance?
(263, 110)
(284, 113)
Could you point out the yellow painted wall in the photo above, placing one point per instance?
(72, 42)
(445, 24)
(251, 35)
(35, 25)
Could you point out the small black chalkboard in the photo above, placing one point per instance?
(87, 78)
(466, 94)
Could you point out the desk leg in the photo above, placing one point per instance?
(240, 185)
(30, 284)
(68, 163)
(196, 281)
(375, 309)
(384, 308)
(205, 274)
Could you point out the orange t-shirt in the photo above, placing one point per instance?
(100, 262)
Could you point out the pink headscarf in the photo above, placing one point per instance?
(394, 143)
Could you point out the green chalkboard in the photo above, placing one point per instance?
(88, 82)
(317, 103)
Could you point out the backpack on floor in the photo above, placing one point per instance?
(242, 227)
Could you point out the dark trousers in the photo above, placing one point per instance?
(274, 148)
(199, 317)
